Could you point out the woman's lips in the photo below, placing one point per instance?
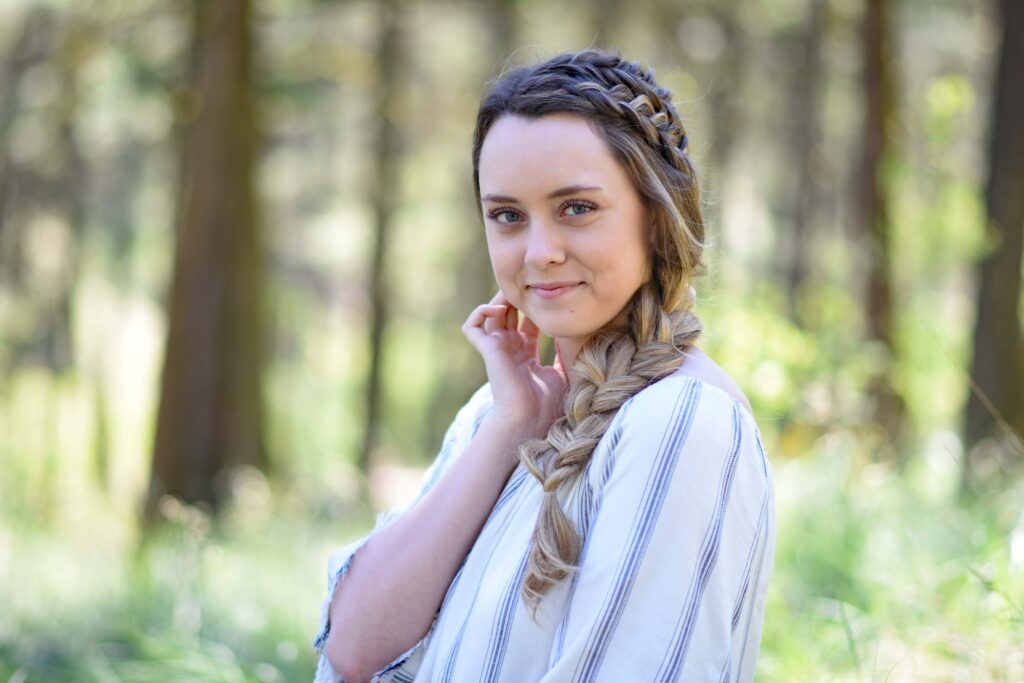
(550, 292)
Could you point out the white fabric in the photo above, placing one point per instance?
(677, 511)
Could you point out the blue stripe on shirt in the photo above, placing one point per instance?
(502, 626)
(757, 576)
(587, 511)
(673, 663)
(448, 670)
(741, 602)
(745, 584)
(654, 496)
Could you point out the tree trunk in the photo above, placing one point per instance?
(462, 371)
(384, 192)
(72, 188)
(995, 407)
(806, 136)
(725, 81)
(31, 44)
(874, 191)
(888, 406)
(210, 416)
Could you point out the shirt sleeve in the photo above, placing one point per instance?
(676, 561)
(457, 437)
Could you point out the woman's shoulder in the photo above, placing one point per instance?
(685, 398)
(685, 430)
(694, 408)
(700, 366)
(700, 376)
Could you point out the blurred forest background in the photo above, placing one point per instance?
(238, 240)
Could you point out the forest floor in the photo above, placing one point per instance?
(877, 577)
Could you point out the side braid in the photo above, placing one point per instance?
(613, 365)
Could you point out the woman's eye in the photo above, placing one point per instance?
(572, 208)
(585, 207)
(493, 215)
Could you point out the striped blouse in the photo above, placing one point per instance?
(676, 509)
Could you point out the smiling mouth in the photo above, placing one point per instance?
(554, 292)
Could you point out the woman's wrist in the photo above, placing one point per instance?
(511, 425)
(511, 432)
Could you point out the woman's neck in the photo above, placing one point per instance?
(566, 350)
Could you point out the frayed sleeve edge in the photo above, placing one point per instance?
(334, 574)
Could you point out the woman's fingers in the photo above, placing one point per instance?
(512, 318)
(495, 313)
(499, 315)
(482, 318)
(529, 328)
(481, 313)
(507, 316)
(530, 333)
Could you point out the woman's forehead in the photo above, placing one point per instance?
(543, 136)
(542, 155)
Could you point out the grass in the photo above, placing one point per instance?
(878, 577)
(233, 601)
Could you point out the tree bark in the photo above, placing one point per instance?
(806, 137)
(210, 415)
(72, 187)
(31, 44)
(996, 403)
(887, 405)
(873, 191)
(384, 198)
(462, 371)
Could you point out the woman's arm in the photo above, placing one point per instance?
(395, 587)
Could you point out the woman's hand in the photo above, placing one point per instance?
(525, 392)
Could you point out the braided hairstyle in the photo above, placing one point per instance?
(638, 120)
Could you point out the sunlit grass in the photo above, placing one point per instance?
(233, 601)
(883, 577)
(877, 577)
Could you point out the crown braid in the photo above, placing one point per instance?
(616, 89)
(645, 133)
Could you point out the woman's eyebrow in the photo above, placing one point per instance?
(561, 192)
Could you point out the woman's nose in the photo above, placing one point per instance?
(543, 247)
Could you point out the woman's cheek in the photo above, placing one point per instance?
(513, 295)
(505, 279)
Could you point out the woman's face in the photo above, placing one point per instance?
(567, 232)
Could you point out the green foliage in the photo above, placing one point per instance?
(882, 577)
(877, 576)
(233, 601)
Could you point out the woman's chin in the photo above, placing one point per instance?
(561, 325)
(562, 331)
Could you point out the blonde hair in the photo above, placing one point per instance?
(637, 119)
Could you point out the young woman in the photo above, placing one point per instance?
(606, 518)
